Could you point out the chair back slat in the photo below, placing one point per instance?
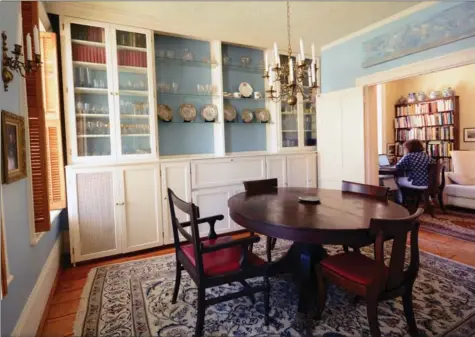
(368, 190)
(261, 186)
(436, 176)
(397, 229)
(194, 237)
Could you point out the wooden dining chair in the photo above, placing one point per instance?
(371, 278)
(262, 187)
(435, 189)
(214, 261)
(378, 192)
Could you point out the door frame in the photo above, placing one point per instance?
(452, 60)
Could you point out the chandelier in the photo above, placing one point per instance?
(286, 81)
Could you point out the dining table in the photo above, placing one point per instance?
(338, 218)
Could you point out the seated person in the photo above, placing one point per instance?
(415, 163)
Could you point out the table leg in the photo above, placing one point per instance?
(308, 256)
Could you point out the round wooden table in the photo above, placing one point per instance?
(341, 218)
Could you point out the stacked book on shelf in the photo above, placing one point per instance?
(132, 58)
(418, 121)
(90, 54)
(439, 133)
(440, 149)
(425, 107)
(406, 134)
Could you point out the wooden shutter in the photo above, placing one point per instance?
(55, 163)
(37, 132)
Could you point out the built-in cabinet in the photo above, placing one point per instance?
(109, 90)
(113, 210)
(120, 209)
(122, 158)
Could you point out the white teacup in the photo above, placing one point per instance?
(237, 94)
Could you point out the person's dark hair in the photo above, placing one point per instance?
(414, 145)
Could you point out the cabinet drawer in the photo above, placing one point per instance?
(223, 172)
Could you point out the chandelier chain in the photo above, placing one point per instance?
(288, 29)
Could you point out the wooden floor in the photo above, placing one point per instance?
(65, 301)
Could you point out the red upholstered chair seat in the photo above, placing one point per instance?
(222, 261)
(353, 266)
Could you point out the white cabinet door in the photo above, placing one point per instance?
(276, 167)
(175, 175)
(228, 171)
(302, 170)
(140, 207)
(214, 201)
(92, 198)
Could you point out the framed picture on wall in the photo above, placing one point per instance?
(469, 135)
(13, 147)
(391, 150)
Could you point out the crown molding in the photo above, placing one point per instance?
(411, 10)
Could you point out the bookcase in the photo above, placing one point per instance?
(434, 122)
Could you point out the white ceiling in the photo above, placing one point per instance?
(254, 23)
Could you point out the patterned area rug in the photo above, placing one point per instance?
(456, 222)
(134, 299)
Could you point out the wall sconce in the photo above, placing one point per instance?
(11, 64)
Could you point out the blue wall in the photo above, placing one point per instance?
(25, 261)
(342, 64)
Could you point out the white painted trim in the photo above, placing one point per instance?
(30, 317)
(376, 25)
(452, 60)
(44, 16)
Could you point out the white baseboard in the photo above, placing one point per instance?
(30, 317)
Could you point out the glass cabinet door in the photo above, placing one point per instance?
(310, 121)
(91, 90)
(289, 127)
(133, 102)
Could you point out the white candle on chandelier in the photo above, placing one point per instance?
(276, 55)
(313, 52)
(302, 53)
(298, 59)
(29, 53)
(291, 70)
(317, 68)
(309, 77)
(270, 73)
(36, 39)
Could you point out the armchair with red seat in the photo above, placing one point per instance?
(214, 261)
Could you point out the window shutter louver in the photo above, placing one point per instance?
(55, 163)
(37, 132)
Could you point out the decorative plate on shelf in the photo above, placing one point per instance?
(245, 89)
(262, 115)
(164, 112)
(247, 116)
(229, 113)
(209, 112)
(187, 112)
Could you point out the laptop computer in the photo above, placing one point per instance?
(383, 161)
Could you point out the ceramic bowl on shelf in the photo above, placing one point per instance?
(209, 112)
(247, 116)
(262, 115)
(448, 92)
(435, 94)
(245, 61)
(164, 112)
(187, 55)
(402, 100)
(421, 96)
(411, 97)
(188, 112)
(229, 113)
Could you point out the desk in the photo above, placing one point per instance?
(340, 219)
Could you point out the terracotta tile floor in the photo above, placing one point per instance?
(62, 311)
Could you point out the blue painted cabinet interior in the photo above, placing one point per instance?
(241, 136)
(181, 82)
